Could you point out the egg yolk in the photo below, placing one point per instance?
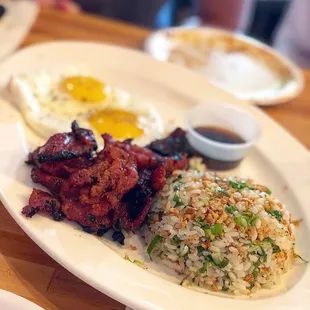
(85, 89)
(119, 123)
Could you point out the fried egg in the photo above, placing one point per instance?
(49, 103)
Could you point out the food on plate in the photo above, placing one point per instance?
(194, 47)
(177, 142)
(173, 145)
(49, 103)
(109, 189)
(224, 234)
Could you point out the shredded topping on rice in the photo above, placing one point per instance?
(225, 234)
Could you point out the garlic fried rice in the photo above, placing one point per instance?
(224, 234)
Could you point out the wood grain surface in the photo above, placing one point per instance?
(24, 268)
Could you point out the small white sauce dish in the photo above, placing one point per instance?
(225, 116)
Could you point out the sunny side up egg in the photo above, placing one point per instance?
(49, 103)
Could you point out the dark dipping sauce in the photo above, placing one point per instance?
(221, 135)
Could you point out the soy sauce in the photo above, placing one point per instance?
(222, 135)
(219, 134)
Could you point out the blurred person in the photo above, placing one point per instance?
(63, 5)
(292, 37)
(142, 12)
(228, 14)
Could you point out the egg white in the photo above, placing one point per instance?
(48, 109)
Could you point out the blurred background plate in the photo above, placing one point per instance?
(16, 18)
(243, 66)
(10, 301)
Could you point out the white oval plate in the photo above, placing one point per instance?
(239, 64)
(10, 301)
(278, 160)
(15, 24)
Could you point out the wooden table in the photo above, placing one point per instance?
(24, 268)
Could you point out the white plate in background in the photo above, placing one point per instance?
(278, 161)
(239, 64)
(10, 301)
(15, 24)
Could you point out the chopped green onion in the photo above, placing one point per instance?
(209, 261)
(203, 268)
(178, 178)
(177, 187)
(247, 214)
(225, 289)
(217, 258)
(140, 264)
(126, 257)
(236, 185)
(275, 248)
(208, 234)
(253, 248)
(202, 224)
(153, 243)
(219, 261)
(200, 249)
(176, 198)
(230, 209)
(267, 190)
(255, 272)
(239, 186)
(223, 191)
(217, 229)
(304, 260)
(223, 263)
(241, 221)
(252, 221)
(265, 245)
(178, 201)
(176, 241)
(136, 262)
(277, 214)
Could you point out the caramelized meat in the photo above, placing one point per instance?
(115, 187)
(144, 157)
(99, 189)
(45, 202)
(52, 183)
(136, 202)
(158, 178)
(65, 153)
(176, 143)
